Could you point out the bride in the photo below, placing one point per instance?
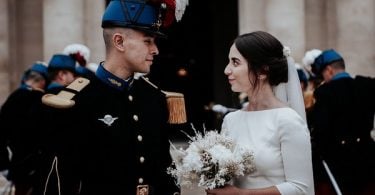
(273, 124)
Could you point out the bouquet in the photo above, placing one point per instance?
(211, 160)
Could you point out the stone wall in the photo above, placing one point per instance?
(35, 30)
(347, 26)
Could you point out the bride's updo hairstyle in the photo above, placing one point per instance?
(264, 54)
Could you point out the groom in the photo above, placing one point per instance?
(115, 137)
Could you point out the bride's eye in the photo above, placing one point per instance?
(235, 62)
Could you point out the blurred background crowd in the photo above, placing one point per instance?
(44, 45)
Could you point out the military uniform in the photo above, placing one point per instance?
(59, 62)
(113, 136)
(114, 139)
(18, 134)
(342, 120)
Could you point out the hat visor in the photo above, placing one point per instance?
(146, 29)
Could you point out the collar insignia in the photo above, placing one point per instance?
(114, 82)
(108, 119)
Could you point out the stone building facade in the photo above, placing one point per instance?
(35, 30)
(347, 26)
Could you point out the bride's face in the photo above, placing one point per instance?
(237, 71)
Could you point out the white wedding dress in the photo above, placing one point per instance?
(280, 141)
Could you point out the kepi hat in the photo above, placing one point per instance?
(41, 68)
(144, 15)
(325, 58)
(60, 61)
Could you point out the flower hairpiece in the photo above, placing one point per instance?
(286, 51)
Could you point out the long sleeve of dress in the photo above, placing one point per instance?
(296, 156)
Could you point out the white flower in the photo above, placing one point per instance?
(220, 154)
(286, 51)
(211, 160)
(192, 161)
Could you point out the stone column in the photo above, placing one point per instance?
(63, 25)
(251, 15)
(283, 19)
(331, 23)
(4, 51)
(356, 40)
(93, 33)
(316, 24)
(286, 20)
(26, 40)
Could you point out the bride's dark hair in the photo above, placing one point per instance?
(264, 54)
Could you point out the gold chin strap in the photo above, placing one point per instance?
(175, 103)
(64, 98)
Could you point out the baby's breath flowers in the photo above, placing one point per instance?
(211, 160)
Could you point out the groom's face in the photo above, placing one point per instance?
(237, 71)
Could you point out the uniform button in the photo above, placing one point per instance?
(358, 139)
(130, 98)
(135, 117)
(140, 180)
(142, 159)
(140, 138)
(343, 142)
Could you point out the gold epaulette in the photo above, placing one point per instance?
(175, 103)
(64, 98)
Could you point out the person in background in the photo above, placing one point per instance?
(276, 133)
(61, 72)
(302, 77)
(17, 134)
(342, 120)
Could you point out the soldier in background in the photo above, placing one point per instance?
(342, 120)
(18, 135)
(61, 72)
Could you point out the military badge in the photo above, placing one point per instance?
(108, 119)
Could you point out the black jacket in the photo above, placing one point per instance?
(18, 133)
(342, 120)
(111, 141)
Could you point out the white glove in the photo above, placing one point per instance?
(372, 134)
(4, 173)
(219, 108)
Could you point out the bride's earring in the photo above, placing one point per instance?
(261, 77)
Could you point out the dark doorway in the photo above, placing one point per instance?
(193, 58)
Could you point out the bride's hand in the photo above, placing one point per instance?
(226, 190)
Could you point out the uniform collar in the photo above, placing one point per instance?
(341, 75)
(54, 85)
(25, 87)
(112, 80)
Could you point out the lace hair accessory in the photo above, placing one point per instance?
(291, 92)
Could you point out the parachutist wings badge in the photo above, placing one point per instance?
(108, 119)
